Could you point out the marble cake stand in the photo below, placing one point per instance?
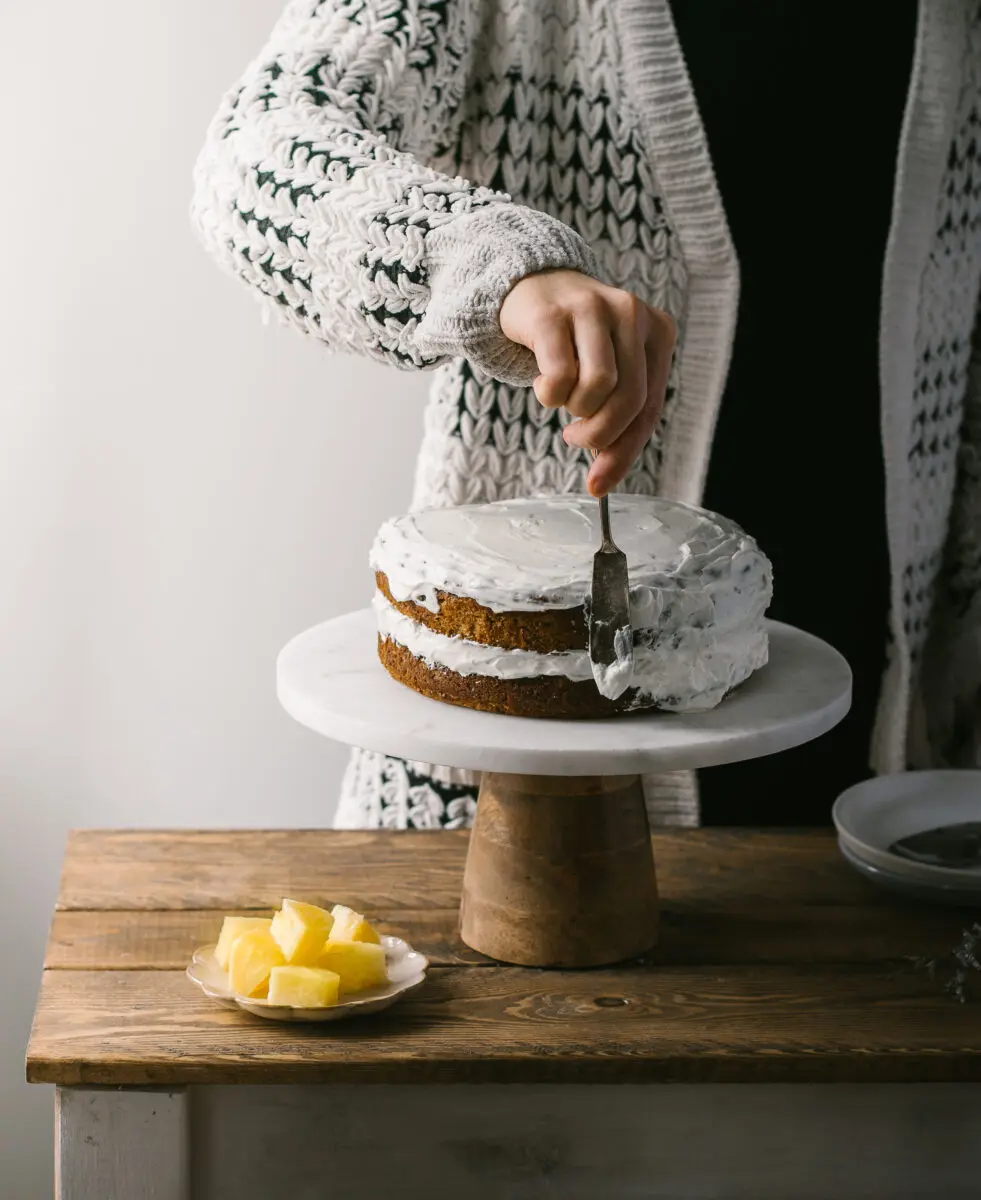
(560, 870)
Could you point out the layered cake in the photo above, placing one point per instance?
(485, 605)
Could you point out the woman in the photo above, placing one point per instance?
(520, 194)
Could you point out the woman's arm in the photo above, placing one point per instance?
(302, 190)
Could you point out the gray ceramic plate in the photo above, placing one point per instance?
(956, 895)
(406, 972)
(871, 816)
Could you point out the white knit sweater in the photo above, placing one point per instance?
(385, 170)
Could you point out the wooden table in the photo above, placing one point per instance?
(784, 1043)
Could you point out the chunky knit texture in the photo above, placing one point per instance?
(387, 169)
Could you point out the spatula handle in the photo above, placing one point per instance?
(604, 516)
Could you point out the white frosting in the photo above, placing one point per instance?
(613, 679)
(691, 676)
(699, 588)
(526, 555)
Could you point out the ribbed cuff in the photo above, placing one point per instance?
(474, 261)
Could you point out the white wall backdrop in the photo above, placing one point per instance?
(182, 490)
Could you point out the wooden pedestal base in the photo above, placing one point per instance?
(560, 871)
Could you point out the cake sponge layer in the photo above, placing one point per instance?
(547, 696)
(460, 616)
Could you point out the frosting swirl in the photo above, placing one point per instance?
(532, 554)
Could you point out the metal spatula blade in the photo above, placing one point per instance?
(611, 640)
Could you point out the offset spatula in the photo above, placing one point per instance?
(611, 638)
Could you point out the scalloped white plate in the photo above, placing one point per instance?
(406, 972)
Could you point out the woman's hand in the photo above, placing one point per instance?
(603, 354)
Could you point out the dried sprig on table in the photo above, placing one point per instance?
(957, 964)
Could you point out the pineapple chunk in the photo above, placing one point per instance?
(300, 931)
(360, 965)
(303, 987)
(254, 954)
(350, 926)
(230, 930)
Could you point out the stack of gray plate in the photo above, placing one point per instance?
(934, 816)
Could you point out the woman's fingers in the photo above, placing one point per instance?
(558, 367)
(597, 362)
(611, 466)
(626, 400)
(603, 354)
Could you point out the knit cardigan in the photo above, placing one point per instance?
(386, 170)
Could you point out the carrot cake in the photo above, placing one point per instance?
(485, 605)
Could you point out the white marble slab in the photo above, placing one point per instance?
(330, 679)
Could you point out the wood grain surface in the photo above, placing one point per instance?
(776, 963)
(178, 869)
(515, 1024)
(109, 869)
(560, 872)
(164, 941)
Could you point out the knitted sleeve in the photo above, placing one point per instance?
(303, 191)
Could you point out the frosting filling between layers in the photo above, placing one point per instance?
(612, 679)
(686, 671)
